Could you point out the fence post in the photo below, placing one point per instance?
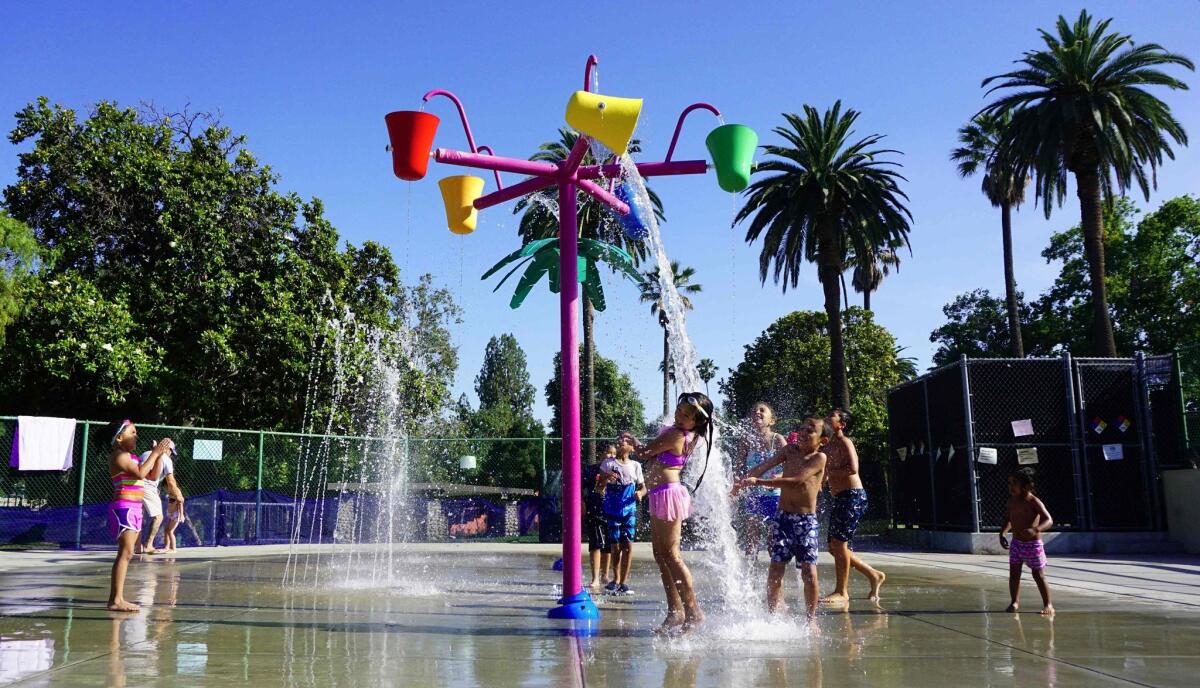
(1185, 439)
(543, 463)
(1077, 457)
(82, 478)
(1149, 458)
(970, 427)
(258, 491)
(929, 450)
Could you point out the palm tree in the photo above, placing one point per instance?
(539, 220)
(1005, 189)
(870, 270)
(1082, 107)
(652, 294)
(827, 196)
(707, 369)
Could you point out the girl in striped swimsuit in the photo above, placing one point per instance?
(125, 510)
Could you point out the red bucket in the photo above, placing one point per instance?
(411, 134)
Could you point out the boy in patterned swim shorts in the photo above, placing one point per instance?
(1027, 519)
(849, 506)
(794, 527)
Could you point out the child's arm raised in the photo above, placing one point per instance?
(126, 463)
(670, 441)
(811, 467)
(755, 475)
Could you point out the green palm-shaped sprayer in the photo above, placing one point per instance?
(540, 258)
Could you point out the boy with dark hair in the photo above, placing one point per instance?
(625, 486)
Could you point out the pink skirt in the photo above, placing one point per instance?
(670, 502)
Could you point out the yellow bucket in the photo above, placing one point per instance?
(608, 119)
(459, 193)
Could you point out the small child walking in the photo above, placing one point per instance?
(595, 525)
(625, 486)
(1027, 519)
(794, 527)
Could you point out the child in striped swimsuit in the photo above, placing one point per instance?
(125, 510)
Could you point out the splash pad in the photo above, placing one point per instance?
(600, 119)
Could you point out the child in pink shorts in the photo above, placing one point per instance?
(1027, 519)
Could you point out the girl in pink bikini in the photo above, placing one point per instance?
(671, 502)
(125, 510)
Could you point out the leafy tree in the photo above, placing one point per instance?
(786, 366)
(1005, 189)
(227, 287)
(826, 196)
(504, 378)
(707, 369)
(976, 326)
(618, 406)
(1082, 107)
(539, 220)
(19, 259)
(651, 292)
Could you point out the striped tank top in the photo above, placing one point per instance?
(127, 487)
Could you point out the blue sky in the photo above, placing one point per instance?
(309, 83)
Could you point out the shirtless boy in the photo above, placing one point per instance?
(1027, 519)
(794, 527)
(849, 506)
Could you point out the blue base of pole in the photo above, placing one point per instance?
(578, 606)
(558, 565)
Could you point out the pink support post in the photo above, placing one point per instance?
(679, 124)
(568, 268)
(601, 194)
(515, 191)
(494, 162)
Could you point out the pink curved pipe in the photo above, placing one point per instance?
(679, 124)
(592, 63)
(492, 153)
(461, 113)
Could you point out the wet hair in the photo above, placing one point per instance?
(845, 416)
(1024, 477)
(826, 428)
(704, 427)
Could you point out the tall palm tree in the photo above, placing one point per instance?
(1005, 188)
(870, 270)
(539, 220)
(827, 196)
(707, 369)
(652, 294)
(1082, 107)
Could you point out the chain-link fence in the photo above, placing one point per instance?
(1089, 428)
(244, 487)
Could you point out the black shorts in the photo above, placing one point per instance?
(596, 529)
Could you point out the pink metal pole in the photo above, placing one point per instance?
(601, 194)
(568, 268)
(679, 124)
(516, 190)
(592, 63)
(489, 151)
(494, 162)
(646, 169)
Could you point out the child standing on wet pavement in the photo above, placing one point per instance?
(624, 488)
(1027, 519)
(794, 527)
(595, 525)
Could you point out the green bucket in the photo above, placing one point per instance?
(732, 149)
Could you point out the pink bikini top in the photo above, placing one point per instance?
(669, 460)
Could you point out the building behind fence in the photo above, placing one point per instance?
(1096, 431)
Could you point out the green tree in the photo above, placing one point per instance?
(228, 286)
(976, 326)
(707, 369)
(539, 220)
(1005, 189)
(786, 366)
(618, 407)
(651, 292)
(506, 411)
(1082, 107)
(19, 259)
(826, 196)
(870, 269)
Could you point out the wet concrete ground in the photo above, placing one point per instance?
(463, 615)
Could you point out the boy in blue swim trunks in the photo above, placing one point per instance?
(794, 527)
(849, 506)
(625, 486)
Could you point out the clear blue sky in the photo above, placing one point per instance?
(309, 84)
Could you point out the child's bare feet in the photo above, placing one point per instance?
(691, 623)
(123, 606)
(1012, 607)
(594, 585)
(1048, 610)
(835, 600)
(674, 620)
(877, 583)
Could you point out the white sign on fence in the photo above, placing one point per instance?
(1114, 452)
(208, 450)
(987, 455)
(1027, 455)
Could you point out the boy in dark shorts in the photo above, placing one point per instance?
(794, 527)
(595, 525)
(1027, 519)
(849, 506)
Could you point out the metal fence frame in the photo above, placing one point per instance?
(945, 496)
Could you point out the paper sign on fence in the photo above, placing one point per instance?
(987, 455)
(1022, 428)
(1027, 455)
(1114, 452)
